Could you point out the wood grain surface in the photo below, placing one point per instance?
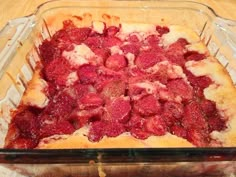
(10, 9)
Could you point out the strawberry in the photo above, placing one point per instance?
(113, 129)
(139, 133)
(162, 30)
(113, 88)
(90, 100)
(87, 74)
(193, 55)
(147, 59)
(155, 125)
(96, 131)
(116, 62)
(119, 109)
(178, 130)
(130, 48)
(112, 30)
(180, 88)
(147, 106)
(78, 35)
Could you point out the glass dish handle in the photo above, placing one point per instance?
(226, 31)
(11, 36)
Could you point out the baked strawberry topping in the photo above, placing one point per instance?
(114, 84)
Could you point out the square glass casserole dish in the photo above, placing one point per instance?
(17, 65)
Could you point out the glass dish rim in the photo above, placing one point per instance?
(133, 155)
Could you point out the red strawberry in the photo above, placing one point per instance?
(139, 133)
(116, 62)
(193, 117)
(147, 106)
(208, 107)
(130, 48)
(198, 137)
(113, 88)
(112, 30)
(155, 125)
(60, 106)
(57, 71)
(87, 74)
(193, 55)
(178, 130)
(113, 129)
(180, 88)
(111, 41)
(102, 52)
(132, 38)
(78, 35)
(162, 30)
(153, 41)
(135, 122)
(90, 101)
(175, 52)
(216, 122)
(47, 51)
(201, 81)
(26, 121)
(173, 109)
(94, 42)
(147, 59)
(59, 128)
(96, 131)
(119, 109)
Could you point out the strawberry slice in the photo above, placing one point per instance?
(112, 30)
(59, 128)
(208, 107)
(113, 88)
(180, 88)
(198, 137)
(130, 48)
(139, 133)
(216, 123)
(57, 71)
(162, 30)
(116, 62)
(178, 130)
(87, 74)
(147, 106)
(135, 121)
(119, 109)
(147, 59)
(96, 131)
(114, 129)
(26, 122)
(78, 35)
(194, 55)
(90, 101)
(93, 42)
(173, 109)
(193, 117)
(155, 125)
(111, 41)
(175, 52)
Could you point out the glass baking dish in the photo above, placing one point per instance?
(18, 54)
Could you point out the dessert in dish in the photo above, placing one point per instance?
(109, 85)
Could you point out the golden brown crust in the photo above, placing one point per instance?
(35, 92)
(79, 140)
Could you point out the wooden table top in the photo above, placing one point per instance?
(18, 8)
